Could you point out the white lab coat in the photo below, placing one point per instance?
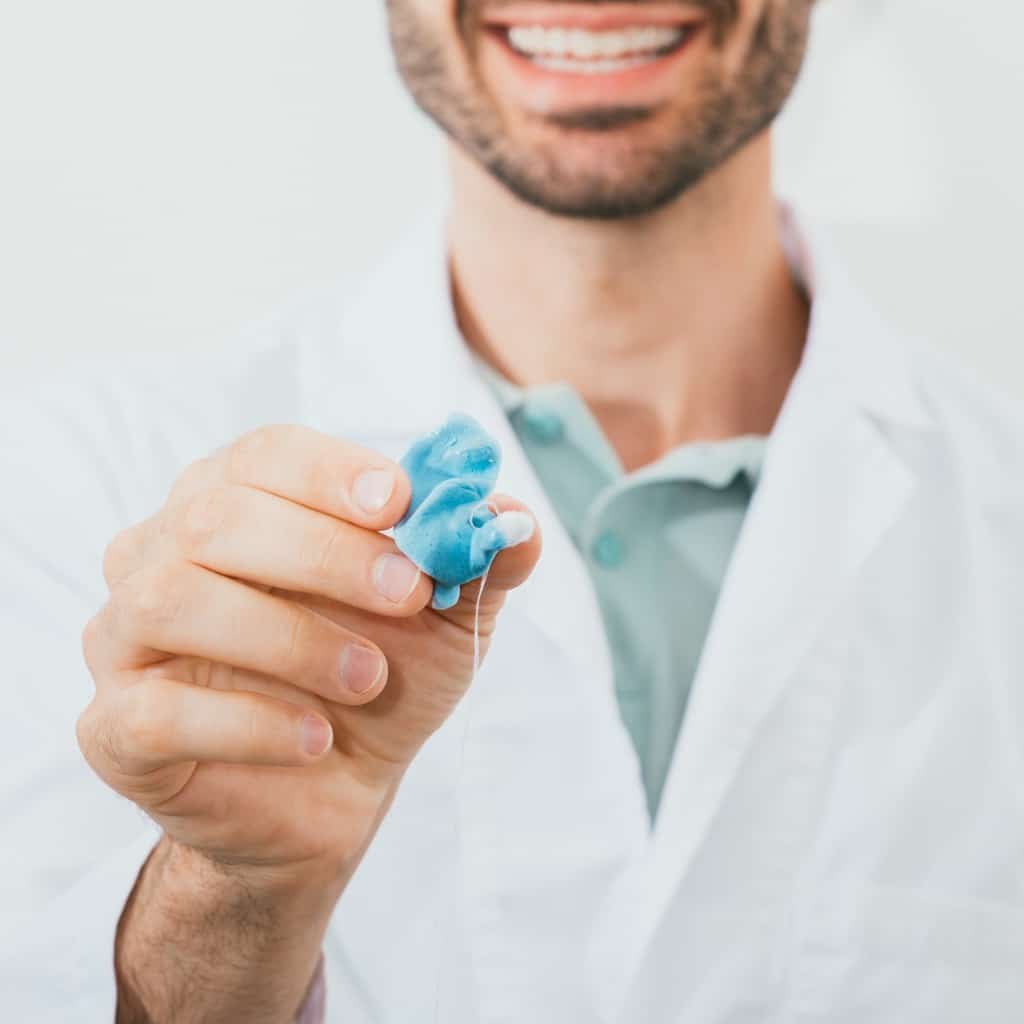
(841, 838)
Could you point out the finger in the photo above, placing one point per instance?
(158, 722)
(130, 549)
(512, 566)
(336, 477)
(126, 553)
(506, 530)
(261, 538)
(184, 609)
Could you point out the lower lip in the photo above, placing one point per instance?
(545, 91)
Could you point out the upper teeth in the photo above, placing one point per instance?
(583, 44)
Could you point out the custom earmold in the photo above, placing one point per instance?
(449, 529)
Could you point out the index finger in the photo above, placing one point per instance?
(325, 473)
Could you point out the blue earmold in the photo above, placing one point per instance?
(449, 530)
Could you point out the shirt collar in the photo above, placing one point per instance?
(715, 463)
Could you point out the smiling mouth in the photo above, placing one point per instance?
(582, 51)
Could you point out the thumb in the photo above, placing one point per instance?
(515, 534)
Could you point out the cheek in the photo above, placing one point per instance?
(439, 21)
(739, 33)
(435, 16)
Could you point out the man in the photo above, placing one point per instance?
(746, 741)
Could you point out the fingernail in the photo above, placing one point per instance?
(373, 489)
(516, 527)
(360, 668)
(395, 577)
(317, 735)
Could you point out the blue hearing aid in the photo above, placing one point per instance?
(449, 530)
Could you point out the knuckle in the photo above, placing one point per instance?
(118, 555)
(323, 481)
(155, 597)
(294, 638)
(203, 514)
(247, 452)
(85, 727)
(193, 476)
(145, 726)
(251, 450)
(96, 734)
(95, 741)
(252, 725)
(90, 639)
(324, 559)
(298, 651)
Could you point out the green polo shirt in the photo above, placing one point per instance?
(656, 541)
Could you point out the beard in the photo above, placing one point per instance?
(635, 175)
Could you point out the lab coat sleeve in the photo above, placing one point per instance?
(314, 1007)
(71, 849)
(84, 453)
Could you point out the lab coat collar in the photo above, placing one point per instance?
(858, 355)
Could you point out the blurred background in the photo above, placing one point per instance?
(169, 172)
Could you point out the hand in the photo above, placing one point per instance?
(267, 664)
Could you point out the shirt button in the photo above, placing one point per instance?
(608, 550)
(542, 425)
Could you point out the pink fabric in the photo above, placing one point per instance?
(314, 1005)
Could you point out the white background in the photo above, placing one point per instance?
(168, 172)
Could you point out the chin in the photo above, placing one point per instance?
(568, 169)
(586, 190)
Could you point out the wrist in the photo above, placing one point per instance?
(200, 943)
(316, 880)
(269, 904)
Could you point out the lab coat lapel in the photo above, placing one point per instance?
(831, 486)
(551, 796)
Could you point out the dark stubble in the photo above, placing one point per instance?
(638, 176)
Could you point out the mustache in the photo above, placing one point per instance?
(718, 9)
(719, 13)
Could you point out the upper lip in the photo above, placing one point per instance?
(596, 17)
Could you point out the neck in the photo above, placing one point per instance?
(683, 325)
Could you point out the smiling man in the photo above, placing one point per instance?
(745, 744)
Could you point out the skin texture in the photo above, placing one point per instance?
(675, 317)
